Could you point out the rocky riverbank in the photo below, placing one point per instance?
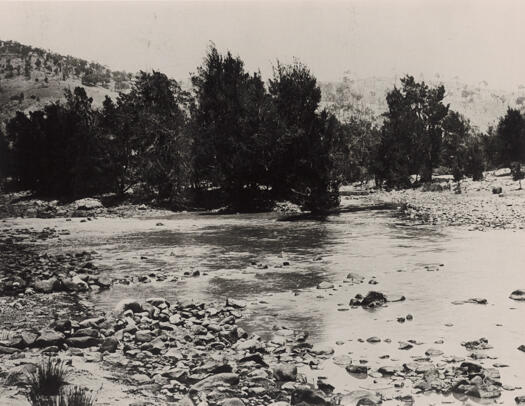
(156, 352)
(24, 204)
(496, 202)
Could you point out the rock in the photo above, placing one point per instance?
(360, 397)
(518, 295)
(8, 350)
(83, 332)
(496, 190)
(156, 346)
(320, 349)
(128, 304)
(354, 278)
(304, 395)
(87, 204)
(405, 346)
(82, 342)
(143, 336)
(521, 348)
(342, 360)
(373, 299)
(48, 338)
(357, 369)
(519, 400)
(389, 370)
(19, 375)
(110, 344)
(395, 298)
(211, 381)
(232, 402)
(373, 340)
(157, 301)
(47, 286)
(433, 352)
(285, 372)
(28, 338)
(141, 378)
(325, 285)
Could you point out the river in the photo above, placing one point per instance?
(275, 266)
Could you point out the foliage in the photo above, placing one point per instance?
(256, 144)
(510, 133)
(303, 167)
(148, 144)
(517, 173)
(411, 135)
(456, 133)
(57, 150)
(229, 120)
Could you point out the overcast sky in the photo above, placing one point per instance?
(475, 40)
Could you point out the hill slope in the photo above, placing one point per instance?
(480, 104)
(32, 77)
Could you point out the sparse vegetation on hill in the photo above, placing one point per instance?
(32, 77)
(480, 104)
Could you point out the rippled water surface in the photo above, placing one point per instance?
(430, 266)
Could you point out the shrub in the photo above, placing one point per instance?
(47, 380)
(515, 170)
(76, 396)
(46, 387)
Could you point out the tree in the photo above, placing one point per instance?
(230, 129)
(517, 173)
(456, 133)
(303, 164)
(147, 129)
(27, 67)
(475, 163)
(56, 150)
(511, 135)
(412, 132)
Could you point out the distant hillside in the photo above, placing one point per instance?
(32, 77)
(480, 104)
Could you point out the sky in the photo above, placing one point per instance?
(473, 39)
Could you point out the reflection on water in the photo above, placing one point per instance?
(402, 258)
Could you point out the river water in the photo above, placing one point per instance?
(431, 266)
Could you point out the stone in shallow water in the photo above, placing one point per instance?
(518, 294)
(320, 349)
(357, 369)
(433, 352)
(325, 285)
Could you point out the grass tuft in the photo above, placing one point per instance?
(48, 379)
(76, 396)
(46, 387)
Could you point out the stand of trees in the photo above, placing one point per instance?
(245, 141)
(253, 142)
